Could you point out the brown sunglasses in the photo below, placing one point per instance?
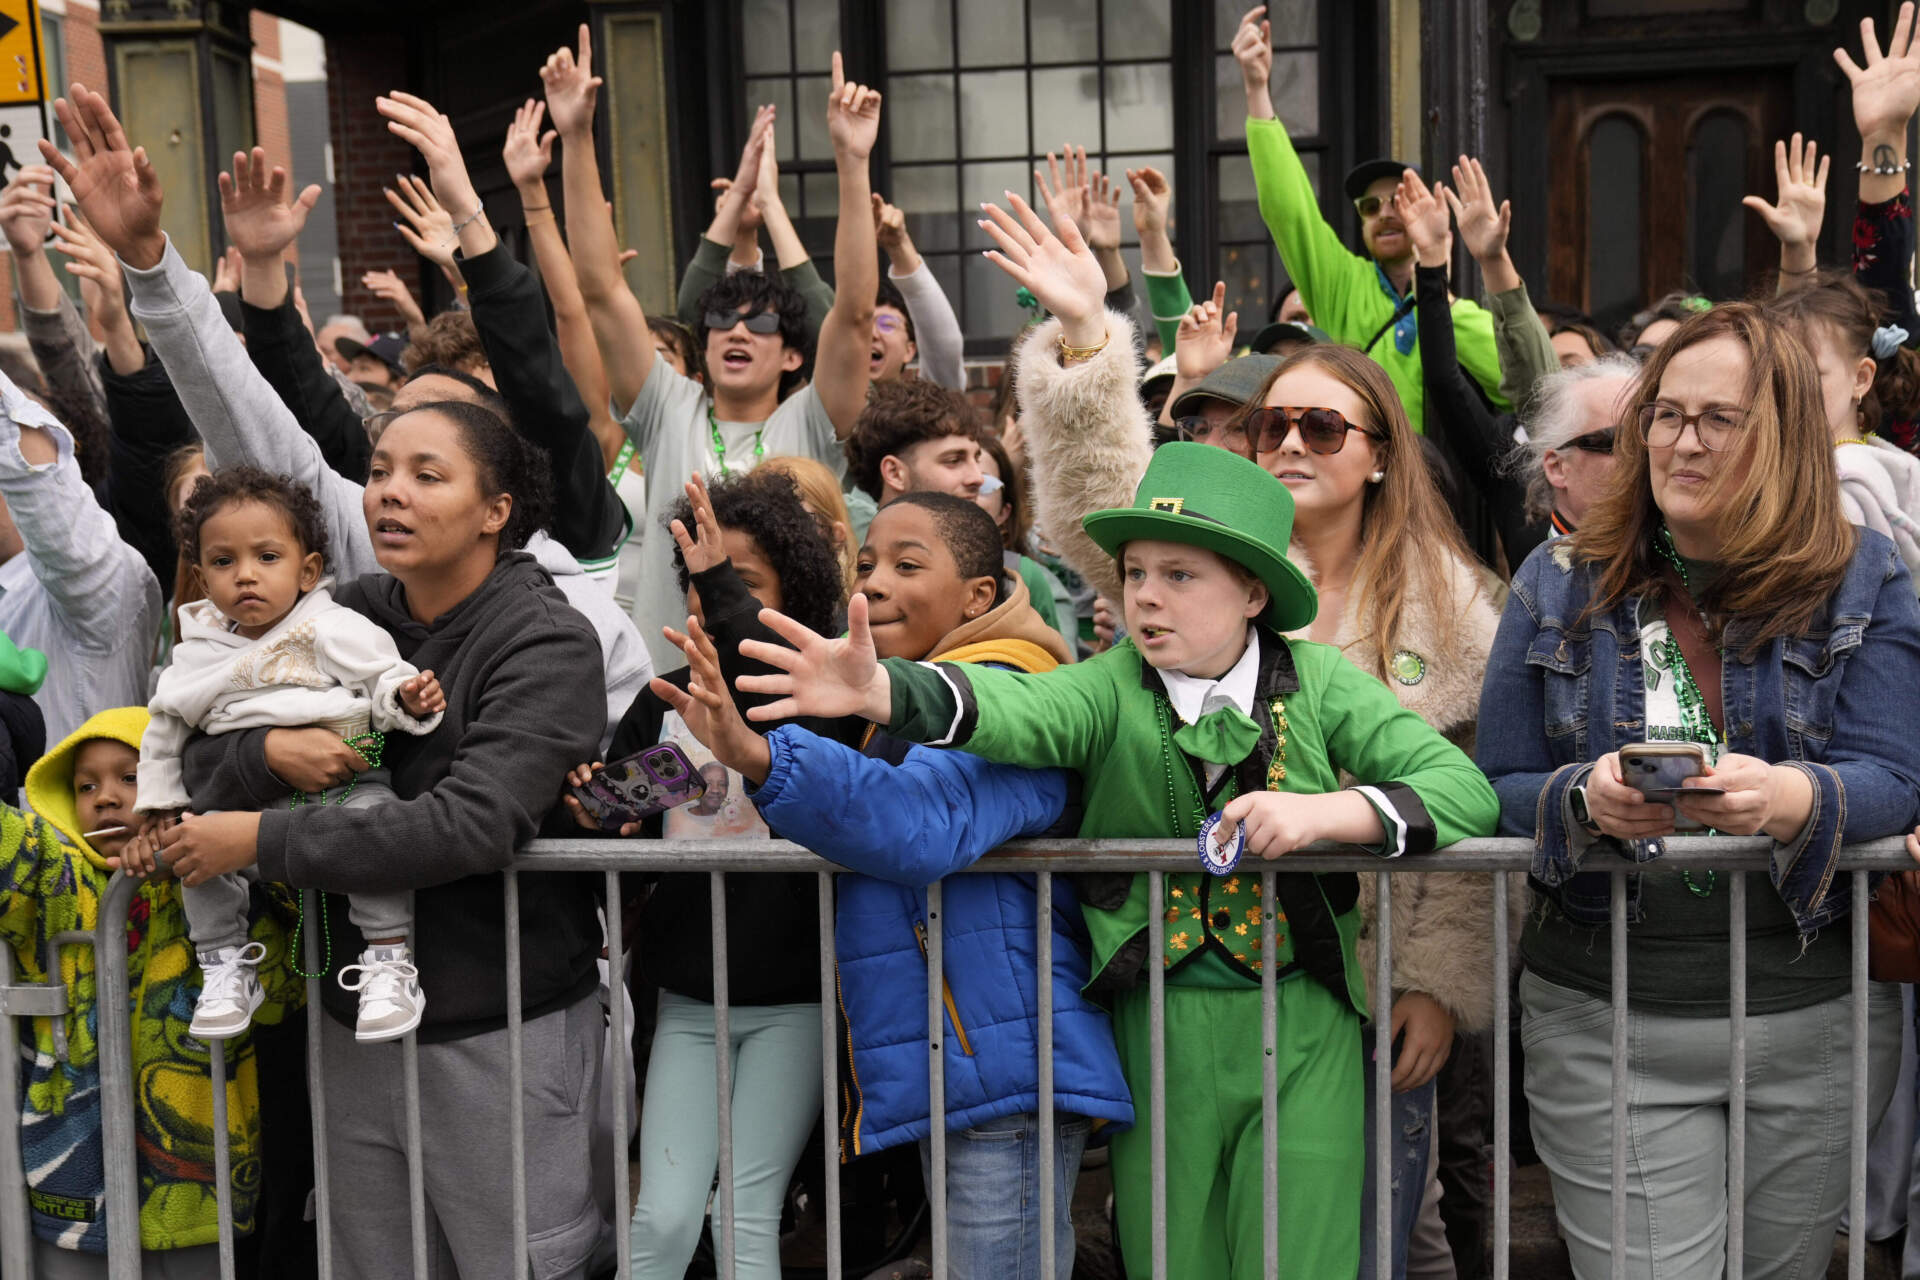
(1321, 430)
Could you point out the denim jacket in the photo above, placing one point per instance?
(1838, 702)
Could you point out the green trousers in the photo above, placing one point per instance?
(1214, 1084)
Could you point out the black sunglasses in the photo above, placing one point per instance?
(1321, 430)
(1595, 441)
(756, 321)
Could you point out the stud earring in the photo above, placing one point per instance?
(1377, 477)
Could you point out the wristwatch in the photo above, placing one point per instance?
(1577, 803)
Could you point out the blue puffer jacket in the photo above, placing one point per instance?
(904, 826)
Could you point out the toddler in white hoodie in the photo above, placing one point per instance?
(269, 648)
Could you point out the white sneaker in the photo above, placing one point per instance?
(229, 992)
(391, 1001)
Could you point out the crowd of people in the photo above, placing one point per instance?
(288, 608)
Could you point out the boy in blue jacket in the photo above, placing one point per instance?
(904, 816)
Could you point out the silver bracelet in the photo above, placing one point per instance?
(1886, 169)
(458, 227)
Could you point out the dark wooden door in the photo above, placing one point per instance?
(1648, 180)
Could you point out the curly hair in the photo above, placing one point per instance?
(671, 335)
(236, 486)
(899, 414)
(765, 505)
(507, 461)
(757, 291)
(449, 339)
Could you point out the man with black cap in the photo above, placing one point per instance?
(377, 362)
(1365, 301)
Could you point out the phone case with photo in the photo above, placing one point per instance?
(643, 784)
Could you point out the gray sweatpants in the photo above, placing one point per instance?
(467, 1158)
(217, 908)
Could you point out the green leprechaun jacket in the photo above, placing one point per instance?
(1109, 720)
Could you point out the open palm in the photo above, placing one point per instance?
(112, 181)
(818, 676)
(1886, 92)
(261, 221)
(1060, 270)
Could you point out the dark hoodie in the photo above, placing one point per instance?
(525, 703)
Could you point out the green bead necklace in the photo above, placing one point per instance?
(1694, 717)
(720, 446)
(370, 746)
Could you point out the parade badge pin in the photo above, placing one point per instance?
(1216, 856)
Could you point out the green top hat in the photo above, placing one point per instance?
(1207, 497)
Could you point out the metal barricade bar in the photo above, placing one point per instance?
(1269, 1082)
(1043, 989)
(1736, 1074)
(622, 1046)
(1383, 1078)
(829, 1074)
(936, 1079)
(1735, 856)
(723, 1238)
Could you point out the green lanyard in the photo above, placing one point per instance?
(1694, 718)
(620, 463)
(720, 446)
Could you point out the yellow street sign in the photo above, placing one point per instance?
(20, 52)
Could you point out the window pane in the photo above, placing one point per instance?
(1249, 271)
(1137, 29)
(1294, 21)
(1140, 107)
(816, 34)
(926, 195)
(1296, 92)
(1066, 108)
(993, 113)
(946, 271)
(1237, 208)
(919, 34)
(993, 32)
(991, 311)
(1716, 180)
(780, 94)
(1615, 165)
(919, 112)
(1064, 31)
(810, 112)
(820, 194)
(980, 182)
(763, 35)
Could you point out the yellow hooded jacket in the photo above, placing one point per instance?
(51, 881)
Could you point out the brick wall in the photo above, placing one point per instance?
(365, 159)
(270, 97)
(86, 55)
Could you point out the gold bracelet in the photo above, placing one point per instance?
(1069, 352)
(538, 216)
(535, 208)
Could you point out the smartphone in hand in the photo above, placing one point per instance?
(1656, 770)
(643, 784)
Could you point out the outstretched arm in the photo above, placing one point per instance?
(936, 329)
(842, 367)
(1524, 347)
(1885, 94)
(619, 324)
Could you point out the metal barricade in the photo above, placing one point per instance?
(1735, 857)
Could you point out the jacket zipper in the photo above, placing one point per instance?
(946, 993)
(856, 1105)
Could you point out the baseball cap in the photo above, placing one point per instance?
(1235, 382)
(385, 347)
(1368, 172)
(1281, 329)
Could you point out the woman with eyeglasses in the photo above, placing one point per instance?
(1398, 595)
(1715, 596)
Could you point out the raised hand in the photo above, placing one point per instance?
(1067, 191)
(26, 209)
(424, 224)
(91, 260)
(709, 710)
(1151, 195)
(415, 121)
(749, 216)
(526, 152)
(1801, 204)
(889, 224)
(746, 180)
(226, 272)
(1253, 50)
(572, 88)
(112, 180)
(818, 676)
(1483, 223)
(708, 549)
(1886, 92)
(391, 289)
(261, 221)
(853, 115)
(1205, 337)
(1425, 214)
(1060, 270)
(1103, 213)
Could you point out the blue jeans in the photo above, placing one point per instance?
(1412, 1119)
(993, 1195)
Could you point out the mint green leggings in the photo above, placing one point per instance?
(776, 1098)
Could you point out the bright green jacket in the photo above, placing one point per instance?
(1110, 721)
(1346, 293)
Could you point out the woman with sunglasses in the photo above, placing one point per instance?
(1566, 462)
(1398, 595)
(1714, 595)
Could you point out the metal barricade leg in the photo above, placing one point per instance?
(1736, 1074)
(1857, 1175)
(1617, 935)
(1043, 988)
(516, 1071)
(617, 1016)
(1502, 1088)
(1383, 1078)
(1269, 1085)
(16, 1223)
(937, 1081)
(723, 1237)
(115, 1037)
(222, 1155)
(317, 1085)
(1157, 1063)
(829, 1074)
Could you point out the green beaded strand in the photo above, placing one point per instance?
(370, 746)
(1694, 717)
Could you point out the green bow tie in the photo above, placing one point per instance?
(1223, 736)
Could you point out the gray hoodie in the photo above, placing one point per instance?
(242, 420)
